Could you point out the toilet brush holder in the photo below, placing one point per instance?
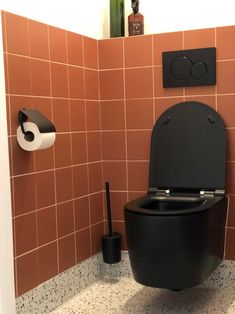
(111, 242)
(111, 248)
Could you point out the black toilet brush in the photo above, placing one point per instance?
(111, 242)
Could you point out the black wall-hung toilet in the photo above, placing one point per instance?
(175, 233)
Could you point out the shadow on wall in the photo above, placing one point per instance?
(195, 300)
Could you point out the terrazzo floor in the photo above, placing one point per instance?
(124, 295)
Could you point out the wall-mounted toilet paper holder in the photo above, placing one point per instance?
(44, 125)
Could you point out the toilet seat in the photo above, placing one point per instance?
(138, 205)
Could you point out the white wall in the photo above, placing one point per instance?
(80, 16)
(168, 16)
(7, 294)
(91, 17)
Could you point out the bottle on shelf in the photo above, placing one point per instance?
(117, 28)
(135, 20)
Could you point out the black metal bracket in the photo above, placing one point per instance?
(44, 125)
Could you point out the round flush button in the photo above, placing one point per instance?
(199, 70)
(181, 68)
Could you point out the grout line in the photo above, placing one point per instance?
(87, 168)
(125, 115)
(153, 84)
(71, 146)
(56, 240)
(53, 150)
(56, 203)
(50, 61)
(216, 87)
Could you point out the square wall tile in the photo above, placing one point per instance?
(140, 151)
(43, 105)
(22, 161)
(25, 233)
(6, 74)
(115, 173)
(65, 218)
(17, 34)
(224, 43)
(230, 178)
(96, 232)
(40, 76)
(230, 242)
(57, 44)
(61, 115)
(133, 46)
(90, 52)
(95, 177)
(208, 100)
(24, 185)
(38, 40)
(77, 115)
(118, 200)
(159, 90)
(16, 104)
(138, 176)
(67, 257)
(44, 159)
(19, 75)
(76, 82)
(162, 104)
(199, 38)
(93, 115)
(82, 213)
(225, 77)
(27, 272)
(96, 207)
(59, 80)
(47, 262)
(63, 157)
(83, 245)
(231, 213)
(113, 145)
(46, 224)
(79, 148)
(166, 42)
(64, 188)
(45, 188)
(139, 83)
(91, 84)
(112, 115)
(231, 146)
(139, 114)
(80, 180)
(226, 108)
(111, 84)
(75, 48)
(200, 90)
(111, 53)
(4, 38)
(94, 146)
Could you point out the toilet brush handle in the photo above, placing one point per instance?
(108, 208)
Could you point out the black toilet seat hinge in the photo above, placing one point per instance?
(212, 193)
(165, 192)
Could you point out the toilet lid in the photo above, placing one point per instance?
(188, 148)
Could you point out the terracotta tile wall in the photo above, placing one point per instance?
(104, 103)
(132, 98)
(56, 193)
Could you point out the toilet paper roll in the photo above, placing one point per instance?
(37, 140)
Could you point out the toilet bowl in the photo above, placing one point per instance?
(175, 233)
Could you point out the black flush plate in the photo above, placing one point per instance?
(194, 67)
